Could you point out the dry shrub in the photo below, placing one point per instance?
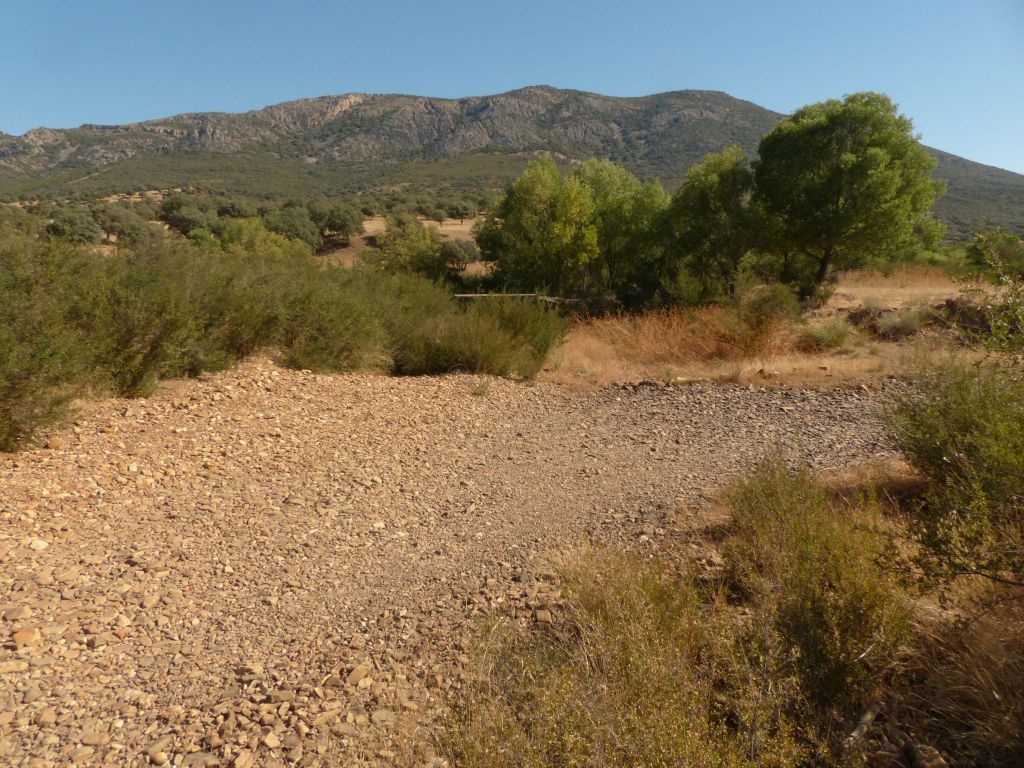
(679, 336)
(818, 566)
(967, 687)
(831, 334)
(638, 671)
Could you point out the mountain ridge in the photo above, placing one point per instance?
(354, 142)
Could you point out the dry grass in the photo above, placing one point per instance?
(966, 687)
(664, 344)
(900, 289)
(711, 345)
(680, 348)
(637, 670)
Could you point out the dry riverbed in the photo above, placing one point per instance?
(267, 567)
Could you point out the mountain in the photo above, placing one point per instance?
(360, 142)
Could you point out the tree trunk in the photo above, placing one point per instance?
(823, 265)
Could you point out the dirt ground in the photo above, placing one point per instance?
(269, 567)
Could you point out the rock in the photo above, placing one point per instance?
(18, 613)
(326, 717)
(272, 741)
(156, 749)
(158, 758)
(29, 636)
(243, 759)
(200, 760)
(95, 738)
(12, 666)
(359, 673)
(46, 716)
(39, 545)
(543, 616)
(82, 754)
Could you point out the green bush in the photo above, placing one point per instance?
(762, 305)
(895, 326)
(829, 335)
(331, 327)
(498, 336)
(76, 319)
(964, 431)
(818, 569)
(39, 355)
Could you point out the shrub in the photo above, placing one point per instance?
(330, 328)
(763, 305)
(964, 431)
(895, 326)
(637, 671)
(496, 336)
(39, 358)
(819, 570)
(76, 319)
(828, 335)
(76, 225)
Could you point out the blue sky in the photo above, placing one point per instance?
(956, 68)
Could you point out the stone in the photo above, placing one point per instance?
(158, 758)
(543, 616)
(361, 671)
(18, 613)
(272, 741)
(200, 760)
(29, 636)
(12, 666)
(95, 738)
(39, 545)
(82, 754)
(46, 716)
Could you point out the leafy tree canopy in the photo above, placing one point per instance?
(846, 180)
(712, 222)
(542, 234)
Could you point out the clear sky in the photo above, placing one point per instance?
(955, 66)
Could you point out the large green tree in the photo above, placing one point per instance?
(712, 221)
(542, 235)
(846, 180)
(628, 263)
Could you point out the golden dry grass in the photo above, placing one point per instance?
(707, 344)
(900, 289)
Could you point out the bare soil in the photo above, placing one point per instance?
(269, 567)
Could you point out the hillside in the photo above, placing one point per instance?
(359, 142)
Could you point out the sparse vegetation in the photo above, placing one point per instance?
(965, 433)
(785, 658)
(76, 319)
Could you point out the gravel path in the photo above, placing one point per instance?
(269, 567)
